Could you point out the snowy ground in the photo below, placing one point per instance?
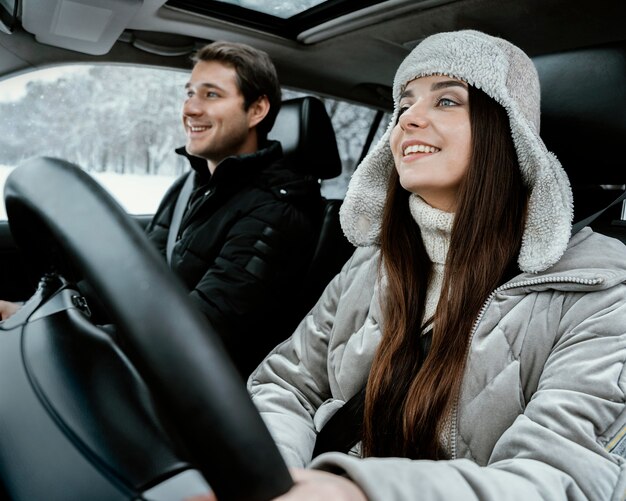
(137, 194)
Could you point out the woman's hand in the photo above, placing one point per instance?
(7, 309)
(313, 485)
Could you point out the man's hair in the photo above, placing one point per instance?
(256, 76)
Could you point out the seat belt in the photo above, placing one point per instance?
(177, 215)
(588, 220)
(344, 429)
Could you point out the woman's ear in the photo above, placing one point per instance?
(258, 111)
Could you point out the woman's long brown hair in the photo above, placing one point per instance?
(408, 400)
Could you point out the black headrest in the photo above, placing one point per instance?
(304, 129)
(583, 112)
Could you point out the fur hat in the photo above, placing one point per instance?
(506, 74)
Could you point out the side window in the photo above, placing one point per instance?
(119, 123)
(381, 129)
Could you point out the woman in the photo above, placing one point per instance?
(463, 222)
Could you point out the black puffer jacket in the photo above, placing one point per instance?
(245, 243)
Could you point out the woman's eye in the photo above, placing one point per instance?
(445, 102)
(211, 94)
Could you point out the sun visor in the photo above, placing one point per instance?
(89, 26)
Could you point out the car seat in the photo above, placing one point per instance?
(309, 145)
(583, 121)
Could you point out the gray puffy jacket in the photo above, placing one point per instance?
(542, 411)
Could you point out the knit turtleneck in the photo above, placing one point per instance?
(436, 227)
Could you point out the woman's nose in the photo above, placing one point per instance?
(414, 116)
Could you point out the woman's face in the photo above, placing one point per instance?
(431, 143)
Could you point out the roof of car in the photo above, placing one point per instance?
(343, 48)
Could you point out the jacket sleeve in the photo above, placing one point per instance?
(292, 382)
(567, 445)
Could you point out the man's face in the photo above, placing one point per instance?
(216, 124)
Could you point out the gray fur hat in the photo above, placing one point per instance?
(506, 74)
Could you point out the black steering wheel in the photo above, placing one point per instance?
(59, 212)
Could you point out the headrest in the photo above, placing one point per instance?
(583, 112)
(306, 133)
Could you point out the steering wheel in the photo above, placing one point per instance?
(57, 211)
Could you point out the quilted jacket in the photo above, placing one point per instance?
(541, 412)
(245, 242)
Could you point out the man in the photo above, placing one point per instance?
(248, 229)
(247, 234)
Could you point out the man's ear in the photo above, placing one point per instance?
(258, 111)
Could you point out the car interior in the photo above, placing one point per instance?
(576, 111)
(146, 415)
(305, 131)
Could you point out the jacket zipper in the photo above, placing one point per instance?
(512, 285)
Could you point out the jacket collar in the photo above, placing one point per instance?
(581, 267)
(235, 167)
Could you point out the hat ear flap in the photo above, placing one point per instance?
(362, 209)
(550, 206)
(548, 227)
